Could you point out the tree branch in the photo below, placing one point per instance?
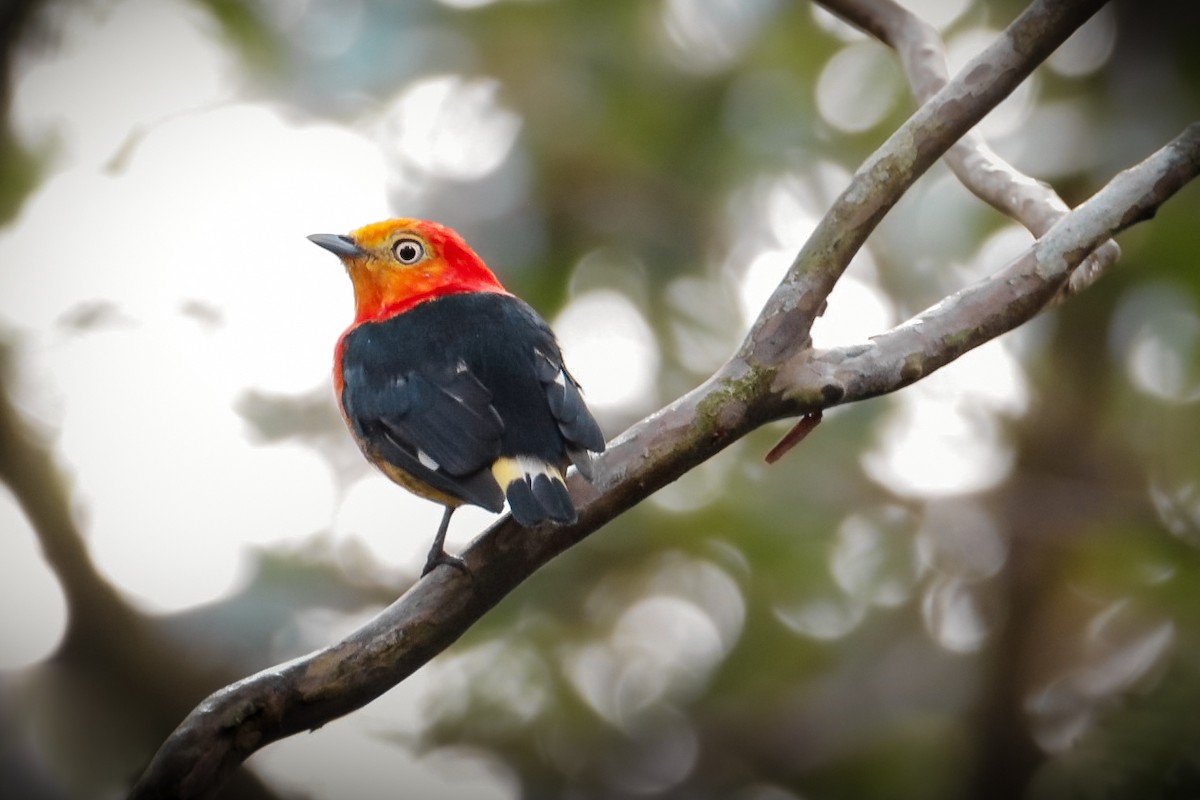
(774, 374)
(988, 176)
(1001, 302)
(879, 183)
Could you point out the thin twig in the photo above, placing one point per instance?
(988, 176)
(1001, 302)
(787, 318)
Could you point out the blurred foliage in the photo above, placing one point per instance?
(806, 630)
(18, 168)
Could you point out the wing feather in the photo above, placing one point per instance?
(575, 421)
(437, 425)
(448, 392)
(460, 433)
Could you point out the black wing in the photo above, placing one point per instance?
(445, 389)
(435, 423)
(578, 427)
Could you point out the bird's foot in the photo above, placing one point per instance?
(440, 557)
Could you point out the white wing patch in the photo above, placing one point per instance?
(426, 461)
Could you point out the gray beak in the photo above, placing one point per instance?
(342, 246)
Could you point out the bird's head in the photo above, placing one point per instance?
(398, 263)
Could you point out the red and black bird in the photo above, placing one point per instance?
(453, 387)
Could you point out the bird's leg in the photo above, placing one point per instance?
(437, 553)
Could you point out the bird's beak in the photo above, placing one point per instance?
(342, 246)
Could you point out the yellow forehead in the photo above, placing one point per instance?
(379, 234)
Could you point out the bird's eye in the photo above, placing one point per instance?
(408, 251)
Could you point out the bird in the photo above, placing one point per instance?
(452, 386)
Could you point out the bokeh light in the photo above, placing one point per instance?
(1089, 48)
(1157, 337)
(370, 765)
(109, 80)
(858, 87)
(709, 35)
(1121, 650)
(611, 351)
(446, 126)
(873, 558)
(944, 436)
(662, 647)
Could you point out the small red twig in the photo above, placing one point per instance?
(794, 437)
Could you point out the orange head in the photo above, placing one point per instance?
(398, 263)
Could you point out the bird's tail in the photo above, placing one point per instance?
(535, 491)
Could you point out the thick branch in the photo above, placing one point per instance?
(1003, 301)
(992, 179)
(990, 77)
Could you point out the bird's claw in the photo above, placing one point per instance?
(441, 557)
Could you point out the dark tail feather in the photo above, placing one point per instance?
(553, 497)
(540, 499)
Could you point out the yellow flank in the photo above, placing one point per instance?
(508, 469)
(415, 486)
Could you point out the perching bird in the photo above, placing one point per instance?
(453, 387)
